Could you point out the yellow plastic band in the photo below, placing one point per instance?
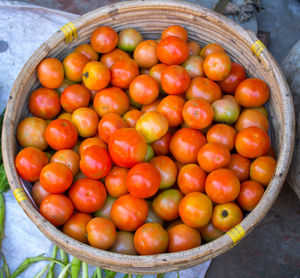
(20, 195)
(257, 48)
(236, 234)
(70, 32)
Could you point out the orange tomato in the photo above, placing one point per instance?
(176, 31)
(262, 169)
(150, 107)
(194, 48)
(240, 166)
(88, 51)
(38, 193)
(115, 181)
(131, 117)
(162, 145)
(69, 158)
(222, 134)
(104, 39)
(211, 48)
(209, 232)
(194, 66)
(115, 55)
(217, 66)
(145, 54)
(156, 72)
(90, 142)
(250, 118)
(73, 66)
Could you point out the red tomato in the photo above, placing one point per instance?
(38, 193)
(162, 145)
(222, 134)
(194, 48)
(95, 162)
(29, 163)
(150, 107)
(131, 117)
(127, 147)
(194, 66)
(151, 239)
(175, 31)
(115, 181)
(88, 51)
(217, 66)
(44, 103)
(57, 209)
(240, 166)
(69, 158)
(222, 186)
(104, 39)
(73, 66)
(87, 195)
(115, 55)
(251, 118)
(211, 48)
(129, 213)
(91, 142)
(262, 169)
(209, 232)
(156, 72)
(145, 54)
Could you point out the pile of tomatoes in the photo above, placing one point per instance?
(144, 146)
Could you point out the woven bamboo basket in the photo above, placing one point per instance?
(150, 18)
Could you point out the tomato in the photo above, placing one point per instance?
(166, 204)
(29, 163)
(162, 145)
(57, 209)
(76, 226)
(95, 162)
(152, 125)
(261, 109)
(197, 113)
(110, 58)
(38, 193)
(175, 80)
(195, 209)
(127, 147)
(194, 66)
(50, 73)
(88, 51)
(172, 51)
(171, 107)
(252, 142)
(87, 195)
(95, 75)
(69, 158)
(185, 144)
(104, 39)
(91, 142)
(217, 66)
(106, 208)
(73, 97)
(73, 66)
(182, 237)
(150, 107)
(56, 177)
(175, 31)
(194, 48)
(44, 103)
(252, 92)
(123, 72)
(151, 239)
(262, 169)
(131, 117)
(109, 124)
(115, 181)
(101, 233)
(61, 134)
(222, 134)
(250, 195)
(226, 216)
(86, 121)
(240, 166)
(152, 217)
(111, 100)
(64, 85)
(31, 133)
(236, 76)
(145, 54)
(213, 156)
(191, 178)
(129, 213)
(222, 186)
(209, 232)
(124, 244)
(211, 48)
(156, 72)
(143, 180)
(149, 154)
(129, 39)
(252, 118)
(65, 116)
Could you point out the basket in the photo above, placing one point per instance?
(150, 18)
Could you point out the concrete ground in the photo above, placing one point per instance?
(272, 249)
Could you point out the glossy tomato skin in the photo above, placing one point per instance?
(69, 158)
(209, 232)
(251, 118)
(145, 54)
(191, 178)
(44, 103)
(131, 117)
(56, 177)
(185, 144)
(75, 227)
(95, 162)
(30, 162)
(211, 48)
(222, 186)
(38, 193)
(129, 213)
(104, 39)
(57, 209)
(194, 48)
(182, 237)
(156, 72)
(250, 195)
(50, 73)
(88, 51)
(101, 233)
(73, 66)
(106, 208)
(150, 107)
(195, 209)
(143, 180)
(115, 181)
(87, 195)
(151, 239)
(61, 134)
(124, 244)
(175, 31)
(110, 58)
(262, 169)
(217, 66)
(194, 66)
(240, 166)
(91, 142)
(127, 147)
(129, 39)
(222, 134)
(162, 145)
(252, 142)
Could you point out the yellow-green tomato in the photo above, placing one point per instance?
(128, 39)
(149, 154)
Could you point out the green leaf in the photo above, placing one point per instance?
(4, 186)
(64, 272)
(41, 272)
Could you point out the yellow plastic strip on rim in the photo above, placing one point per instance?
(70, 32)
(20, 195)
(257, 48)
(236, 234)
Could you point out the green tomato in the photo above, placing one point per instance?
(226, 110)
(105, 210)
(129, 39)
(149, 154)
